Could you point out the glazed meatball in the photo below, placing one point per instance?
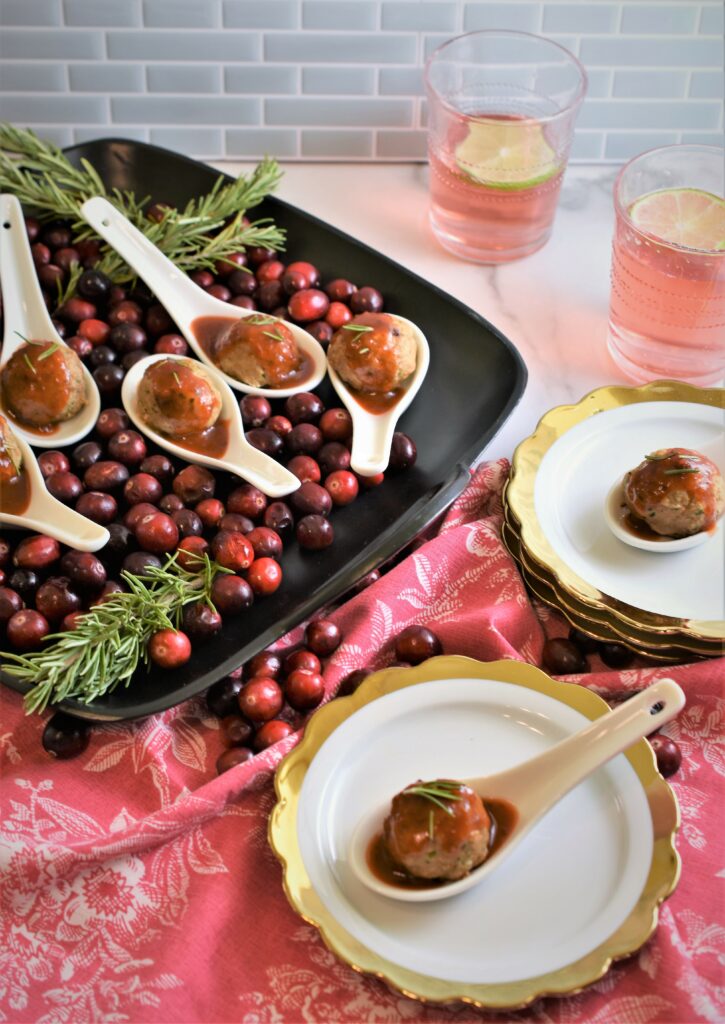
(43, 383)
(259, 350)
(443, 838)
(675, 492)
(375, 352)
(178, 397)
(11, 459)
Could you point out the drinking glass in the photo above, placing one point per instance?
(667, 306)
(501, 112)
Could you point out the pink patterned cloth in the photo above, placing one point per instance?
(138, 886)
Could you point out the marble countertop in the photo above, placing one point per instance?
(552, 305)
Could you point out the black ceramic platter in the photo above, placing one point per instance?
(476, 377)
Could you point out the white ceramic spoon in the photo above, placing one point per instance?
(536, 785)
(612, 514)
(240, 457)
(184, 300)
(26, 316)
(372, 433)
(45, 514)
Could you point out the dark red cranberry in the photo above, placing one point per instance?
(139, 562)
(304, 439)
(255, 410)
(338, 315)
(265, 441)
(586, 644)
(53, 462)
(294, 281)
(121, 540)
(311, 499)
(367, 581)
(171, 345)
(116, 294)
(25, 582)
(93, 285)
(142, 487)
(125, 312)
(36, 552)
(235, 521)
(101, 508)
(158, 321)
(66, 258)
(81, 346)
(304, 407)
(190, 553)
(89, 250)
(366, 300)
(616, 655)
(187, 521)
(136, 513)
(278, 517)
(127, 337)
(159, 466)
(304, 690)
(257, 254)
(261, 699)
(416, 644)
(95, 331)
(563, 658)
(279, 424)
(219, 291)
(55, 599)
(340, 290)
(236, 731)
(243, 301)
(108, 378)
(202, 277)
(241, 282)
(170, 503)
(270, 295)
(40, 254)
(5, 550)
(233, 757)
(201, 622)
(320, 331)
(351, 682)
(157, 532)
(301, 660)
(222, 696)
(308, 270)
(71, 622)
(211, 512)
(231, 595)
(322, 637)
(314, 533)
(232, 263)
(157, 211)
(308, 304)
(266, 663)
(56, 235)
(232, 550)
(333, 456)
(51, 276)
(105, 476)
(403, 452)
(247, 500)
(194, 483)
(64, 486)
(305, 468)
(270, 733)
(264, 576)
(342, 487)
(169, 648)
(32, 228)
(10, 603)
(65, 737)
(83, 569)
(266, 543)
(129, 447)
(111, 421)
(87, 454)
(668, 754)
(75, 309)
(270, 270)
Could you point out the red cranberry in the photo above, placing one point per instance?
(416, 644)
(157, 533)
(190, 553)
(194, 483)
(65, 737)
(203, 278)
(668, 754)
(278, 517)
(158, 321)
(561, 657)
(139, 562)
(270, 733)
(169, 648)
(157, 211)
(108, 378)
(201, 622)
(264, 576)
(366, 300)
(301, 660)
(232, 550)
(97, 506)
(237, 522)
(4, 552)
(64, 486)
(83, 569)
(188, 522)
(351, 682)
(311, 499)
(333, 456)
(211, 512)
(265, 441)
(266, 663)
(403, 452)
(219, 291)
(67, 257)
(87, 454)
(171, 345)
(279, 424)
(222, 696)
(261, 699)
(231, 263)
(309, 270)
(161, 467)
(308, 304)
(241, 282)
(265, 542)
(270, 295)
(304, 690)
(127, 337)
(71, 622)
(322, 637)
(25, 582)
(314, 533)
(270, 270)
(32, 228)
(75, 310)
(304, 439)
(304, 407)
(342, 487)
(231, 595)
(93, 285)
(55, 599)
(305, 469)
(111, 421)
(89, 250)
(320, 331)
(10, 603)
(81, 346)
(340, 290)
(615, 655)
(40, 254)
(121, 539)
(105, 476)
(337, 315)
(95, 331)
(102, 355)
(56, 235)
(136, 513)
(586, 644)
(368, 482)
(53, 462)
(247, 500)
(255, 410)
(51, 276)
(170, 503)
(294, 281)
(125, 312)
(257, 254)
(128, 447)
(236, 731)
(232, 757)
(36, 552)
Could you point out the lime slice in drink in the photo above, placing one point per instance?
(507, 154)
(684, 216)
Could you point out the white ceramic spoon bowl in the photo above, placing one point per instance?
(240, 458)
(535, 786)
(45, 514)
(186, 301)
(372, 433)
(612, 506)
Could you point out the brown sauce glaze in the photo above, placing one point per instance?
(212, 442)
(378, 402)
(208, 330)
(637, 527)
(503, 820)
(15, 494)
(31, 428)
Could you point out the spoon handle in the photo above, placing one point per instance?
(261, 471)
(549, 777)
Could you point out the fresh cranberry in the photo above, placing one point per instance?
(131, 358)
(270, 733)
(305, 468)
(51, 277)
(222, 696)
(87, 454)
(265, 441)
(337, 315)
(169, 648)
(81, 346)
(55, 599)
(333, 456)
(32, 228)
(340, 289)
(75, 310)
(158, 321)
(97, 506)
(247, 500)
(266, 543)
(342, 487)
(201, 622)
(194, 483)
(304, 439)
(668, 754)
(188, 522)
(279, 424)
(322, 637)
(257, 254)
(190, 553)
(125, 312)
(36, 552)
(56, 235)
(40, 254)
(53, 462)
(157, 533)
(71, 622)
(616, 655)
(111, 421)
(368, 482)
(84, 570)
(266, 663)
(241, 282)
(128, 446)
(101, 355)
(416, 644)
(301, 660)
(304, 690)
(157, 211)
(138, 562)
(270, 295)
(366, 300)
(117, 293)
(108, 378)
(171, 345)
(311, 499)
(64, 486)
(105, 476)
(170, 503)
(314, 533)
(232, 550)
(202, 277)
(270, 270)
(93, 285)
(135, 514)
(10, 603)
(237, 522)
(232, 757)
(25, 582)
(304, 407)
(264, 576)
(65, 737)
(261, 699)
(309, 270)
(219, 291)
(127, 337)
(231, 594)
(89, 250)
(67, 257)
(320, 331)
(231, 263)
(294, 281)
(121, 540)
(561, 657)
(243, 302)
(403, 452)
(236, 731)
(278, 517)
(95, 331)
(211, 512)
(308, 304)
(4, 552)
(351, 681)
(159, 466)
(255, 410)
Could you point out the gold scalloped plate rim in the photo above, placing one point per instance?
(627, 939)
(524, 467)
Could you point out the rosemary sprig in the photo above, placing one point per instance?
(177, 378)
(658, 456)
(49, 351)
(257, 319)
(110, 640)
(29, 362)
(357, 328)
(438, 792)
(207, 230)
(274, 335)
(680, 471)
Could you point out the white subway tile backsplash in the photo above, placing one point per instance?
(338, 81)
(350, 15)
(623, 145)
(30, 12)
(16, 76)
(657, 53)
(419, 17)
(587, 146)
(256, 142)
(400, 82)
(191, 110)
(521, 16)
(340, 113)
(65, 109)
(711, 20)
(401, 145)
(57, 134)
(260, 14)
(614, 114)
(187, 78)
(653, 84)
(664, 19)
(106, 78)
(155, 45)
(188, 140)
(37, 44)
(346, 144)
(339, 48)
(260, 79)
(707, 85)
(702, 138)
(102, 13)
(580, 17)
(182, 13)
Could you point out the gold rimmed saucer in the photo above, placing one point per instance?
(553, 430)
(304, 851)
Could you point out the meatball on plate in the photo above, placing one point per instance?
(675, 492)
(178, 397)
(43, 384)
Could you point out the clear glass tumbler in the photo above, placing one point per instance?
(667, 306)
(501, 112)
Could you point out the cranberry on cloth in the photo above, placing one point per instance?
(137, 885)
